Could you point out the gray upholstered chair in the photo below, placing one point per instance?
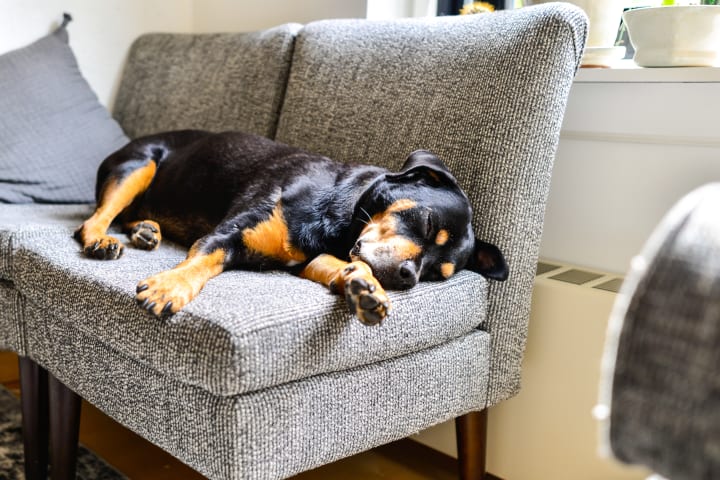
(265, 375)
(661, 394)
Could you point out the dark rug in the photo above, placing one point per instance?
(89, 466)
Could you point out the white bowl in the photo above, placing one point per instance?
(681, 36)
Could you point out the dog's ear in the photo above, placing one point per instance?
(423, 161)
(488, 261)
(423, 158)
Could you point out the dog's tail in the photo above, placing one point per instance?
(158, 153)
(159, 146)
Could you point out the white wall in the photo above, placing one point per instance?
(628, 151)
(238, 16)
(100, 33)
(387, 9)
(103, 30)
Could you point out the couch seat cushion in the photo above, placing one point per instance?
(275, 432)
(246, 330)
(18, 222)
(32, 220)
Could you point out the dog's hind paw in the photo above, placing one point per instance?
(164, 294)
(364, 294)
(144, 235)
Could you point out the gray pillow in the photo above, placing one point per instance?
(53, 130)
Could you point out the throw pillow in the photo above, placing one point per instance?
(53, 130)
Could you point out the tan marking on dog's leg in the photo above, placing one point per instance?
(144, 234)
(271, 239)
(115, 197)
(326, 269)
(363, 292)
(169, 291)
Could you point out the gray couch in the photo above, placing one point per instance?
(265, 375)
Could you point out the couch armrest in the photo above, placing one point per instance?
(487, 93)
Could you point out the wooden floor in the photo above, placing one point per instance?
(141, 460)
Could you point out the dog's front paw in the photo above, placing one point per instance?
(145, 235)
(104, 248)
(364, 294)
(164, 294)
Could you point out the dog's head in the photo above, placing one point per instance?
(417, 227)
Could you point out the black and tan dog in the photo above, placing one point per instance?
(243, 201)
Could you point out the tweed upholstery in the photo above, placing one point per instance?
(232, 81)
(20, 223)
(661, 378)
(246, 330)
(275, 432)
(30, 221)
(12, 333)
(486, 93)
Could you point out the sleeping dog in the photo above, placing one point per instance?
(240, 201)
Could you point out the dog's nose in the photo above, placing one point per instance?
(407, 273)
(407, 269)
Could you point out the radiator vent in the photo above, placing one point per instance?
(577, 276)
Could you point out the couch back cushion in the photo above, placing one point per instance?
(216, 82)
(487, 93)
(53, 130)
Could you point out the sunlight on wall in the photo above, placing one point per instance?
(102, 31)
(387, 9)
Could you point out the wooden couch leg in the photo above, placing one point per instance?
(471, 432)
(64, 430)
(34, 406)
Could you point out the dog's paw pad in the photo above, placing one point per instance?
(145, 235)
(366, 299)
(369, 302)
(104, 248)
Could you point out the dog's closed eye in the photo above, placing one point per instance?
(429, 225)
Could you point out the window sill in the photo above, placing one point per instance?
(625, 71)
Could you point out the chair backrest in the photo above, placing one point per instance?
(487, 93)
(661, 386)
(227, 81)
